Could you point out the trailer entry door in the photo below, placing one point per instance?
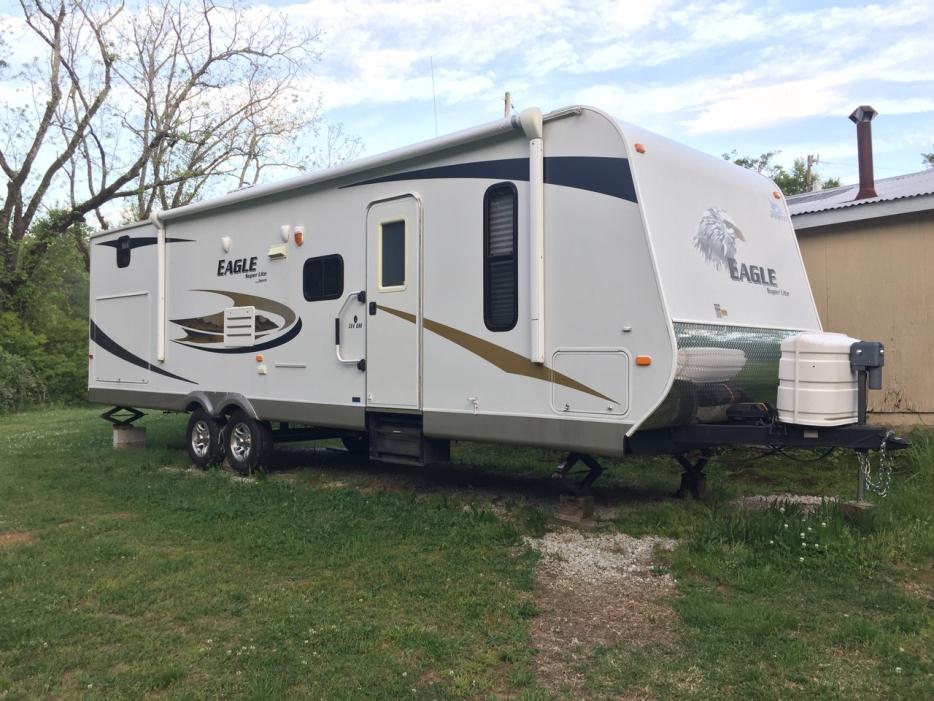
(394, 316)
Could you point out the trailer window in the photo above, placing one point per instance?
(123, 251)
(500, 260)
(323, 278)
(392, 255)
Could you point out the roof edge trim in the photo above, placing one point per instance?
(873, 210)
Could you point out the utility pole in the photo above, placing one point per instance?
(809, 173)
(507, 105)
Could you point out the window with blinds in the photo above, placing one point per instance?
(500, 258)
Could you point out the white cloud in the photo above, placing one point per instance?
(702, 67)
(797, 64)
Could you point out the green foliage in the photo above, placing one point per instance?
(43, 325)
(19, 385)
(927, 159)
(791, 182)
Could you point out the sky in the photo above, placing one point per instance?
(749, 75)
(752, 76)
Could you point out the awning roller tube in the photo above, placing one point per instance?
(531, 123)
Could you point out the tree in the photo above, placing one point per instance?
(801, 177)
(928, 159)
(154, 106)
(44, 328)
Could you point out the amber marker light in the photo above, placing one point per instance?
(259, 357)
(640, 148)
(299, 237)
(776, 194)
(643, 360)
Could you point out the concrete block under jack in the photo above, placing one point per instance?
(577, 510)
(806, 503)
(129, 437)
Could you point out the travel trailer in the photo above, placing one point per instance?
(566, 281)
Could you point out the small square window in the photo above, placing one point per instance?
(323, 278)
(392, 254)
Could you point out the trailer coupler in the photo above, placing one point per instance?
(775, 436)
(563, 471)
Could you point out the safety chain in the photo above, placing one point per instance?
(883, 480)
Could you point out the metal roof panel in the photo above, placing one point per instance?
(887, 189)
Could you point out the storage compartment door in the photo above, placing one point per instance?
(122, 345)
(591, 382)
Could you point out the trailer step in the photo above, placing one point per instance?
(398, 438)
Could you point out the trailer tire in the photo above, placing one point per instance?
(204, 439)
(247, 443)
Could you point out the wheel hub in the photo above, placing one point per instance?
(201, 439)
(241, 441)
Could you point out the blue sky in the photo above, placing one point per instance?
(751, 76)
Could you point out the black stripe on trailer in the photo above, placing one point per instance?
(601, 174)
(102, 340)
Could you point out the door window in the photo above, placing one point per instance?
(392, 255)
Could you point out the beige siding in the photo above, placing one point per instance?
(875, 280)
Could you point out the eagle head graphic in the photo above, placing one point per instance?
(716, 236)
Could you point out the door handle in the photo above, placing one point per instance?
(359, 362)
(372, 308)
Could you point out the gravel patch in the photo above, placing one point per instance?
(594, 590)
(578, 558)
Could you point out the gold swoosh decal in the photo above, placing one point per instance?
(503, 358)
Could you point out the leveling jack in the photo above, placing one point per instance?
(563, 472)
(693, 479)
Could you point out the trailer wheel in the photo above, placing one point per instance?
(247, 443)
(203, 439)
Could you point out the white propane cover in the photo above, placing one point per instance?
(815, 384)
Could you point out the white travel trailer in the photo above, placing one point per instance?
(567, 281)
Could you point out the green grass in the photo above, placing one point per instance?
(147, 581)
(764, 617)
(169, 583)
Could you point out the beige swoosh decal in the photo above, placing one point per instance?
(506, 360)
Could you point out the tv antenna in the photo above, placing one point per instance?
(434, 99)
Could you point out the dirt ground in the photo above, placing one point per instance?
(15, 538)
(595, 590)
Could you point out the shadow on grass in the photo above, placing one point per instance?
(456, 477)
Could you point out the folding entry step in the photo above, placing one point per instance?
(398, 438)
